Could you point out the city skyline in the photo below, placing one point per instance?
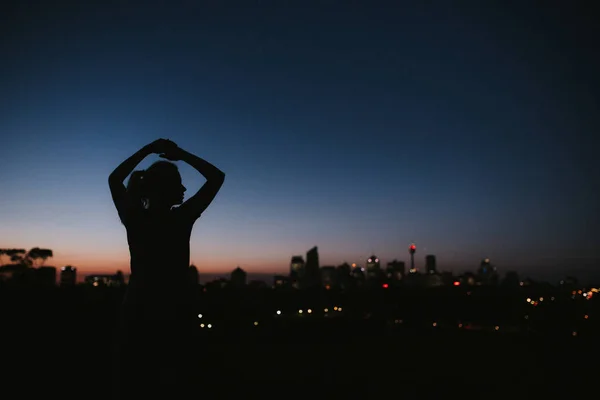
(206, 275)
(468, 133)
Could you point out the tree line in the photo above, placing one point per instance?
(35, 257)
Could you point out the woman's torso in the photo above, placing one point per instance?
(159, 247)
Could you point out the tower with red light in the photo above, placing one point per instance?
(412, 250)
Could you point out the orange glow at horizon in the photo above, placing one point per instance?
(107, 255)
(106, 265)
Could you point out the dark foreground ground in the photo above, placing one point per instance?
(75, 363)
(51, 352)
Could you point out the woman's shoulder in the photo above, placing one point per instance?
(134, 218)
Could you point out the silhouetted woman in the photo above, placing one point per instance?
(158, 318)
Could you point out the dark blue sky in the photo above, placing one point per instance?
(468, 130)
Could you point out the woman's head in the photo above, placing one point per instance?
(158, 187)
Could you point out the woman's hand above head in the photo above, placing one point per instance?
(173, 154)
(161, 146)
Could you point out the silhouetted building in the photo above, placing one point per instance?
(105, 280)
(344, 269)
(486, 273)
(238, 277)
(467, 279)
(358, 275)
(344, 275)
(312, 274)
(24, 275)
(257, 284)
(297, 271)
(45, 276)
(297, 265)
(17, 274)
(448, 278)
(373, 268)
(432, 279)
(329, 277)
(430, 264)
(395, 270)
(68, 276)
(282, 282)
(219, 283)
(511, 279)
(193, 274)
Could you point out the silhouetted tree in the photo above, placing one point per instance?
(36, 254)
(26, 258)
(17, 256)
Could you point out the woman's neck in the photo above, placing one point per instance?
(158, 210)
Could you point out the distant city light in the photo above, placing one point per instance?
(326, 310)
(255, 323)
(309, 311)
(385, 285)
(456, 283)
(299, 311)
(278, 312)
(209, 326)
(199, 315)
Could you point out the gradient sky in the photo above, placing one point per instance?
(356, 128)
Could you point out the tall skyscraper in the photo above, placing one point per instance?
(312, 274)
(430, 265)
